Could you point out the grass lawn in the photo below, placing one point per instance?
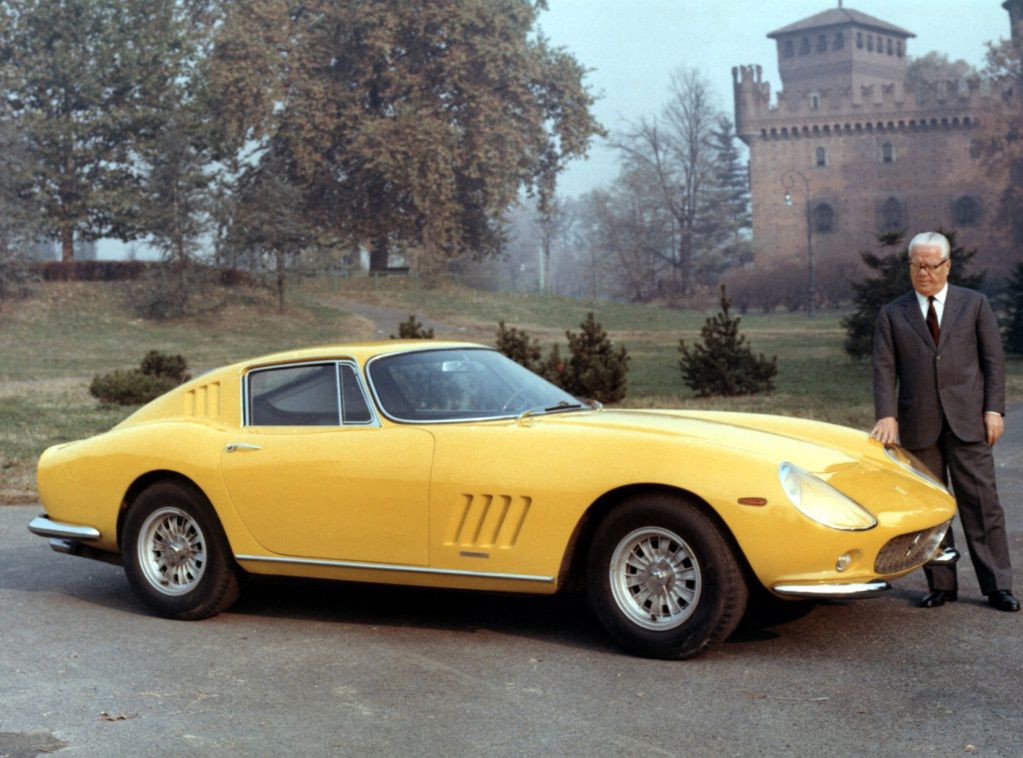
(54, 343)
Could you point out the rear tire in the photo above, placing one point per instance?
(175, 554)
(663, 580)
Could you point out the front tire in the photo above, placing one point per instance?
(175, 554)
(663, 580)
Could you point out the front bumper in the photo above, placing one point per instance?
(848, 591)
(853, 590)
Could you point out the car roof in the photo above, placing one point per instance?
(358, 351)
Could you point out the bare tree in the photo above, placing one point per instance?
(628, 235)
(674, 152)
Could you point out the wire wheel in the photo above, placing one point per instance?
(655, 578)
(171, 551)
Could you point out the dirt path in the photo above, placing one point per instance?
(382, 321)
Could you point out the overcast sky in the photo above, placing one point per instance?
(634, 45)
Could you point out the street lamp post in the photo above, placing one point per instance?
(788, 181)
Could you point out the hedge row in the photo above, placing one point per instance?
(116, 271)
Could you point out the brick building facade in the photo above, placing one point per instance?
(876, 155)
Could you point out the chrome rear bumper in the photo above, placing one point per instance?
(833, 591)
(44, 526)
(71, 539)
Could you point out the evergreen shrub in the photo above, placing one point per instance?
(724, 364)
(158, 373)
(594, 369)
(412, 329)
(520, 347)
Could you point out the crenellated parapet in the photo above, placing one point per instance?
(946, 104)
(752, 96)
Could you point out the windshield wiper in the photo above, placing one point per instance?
(564, 405)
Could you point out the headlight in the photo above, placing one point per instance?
(911, 463)
(818, 500)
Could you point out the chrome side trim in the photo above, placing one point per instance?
(44, 526)
(393, 567)
(836, 591)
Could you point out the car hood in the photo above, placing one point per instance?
(843, 456)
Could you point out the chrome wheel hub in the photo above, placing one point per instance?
(655, 578)
(172, 551)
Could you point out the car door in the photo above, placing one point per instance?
(313, 473)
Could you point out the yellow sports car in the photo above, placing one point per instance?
(448, 465)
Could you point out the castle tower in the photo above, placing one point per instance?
(1015, 8)
(876, 155)
(840, 48)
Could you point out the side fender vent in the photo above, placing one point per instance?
(488, 521)
(203, 401)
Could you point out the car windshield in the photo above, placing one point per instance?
(461, 384)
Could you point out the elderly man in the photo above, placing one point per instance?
(939, 387)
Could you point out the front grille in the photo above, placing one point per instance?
(909, 550)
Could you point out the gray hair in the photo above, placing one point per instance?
(931, 239)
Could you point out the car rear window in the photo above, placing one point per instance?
(294, 396)
(308, 395)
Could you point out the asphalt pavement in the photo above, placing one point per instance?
(313, 668)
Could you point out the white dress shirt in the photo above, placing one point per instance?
(939, 303)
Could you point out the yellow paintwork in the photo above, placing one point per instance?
(488, 505)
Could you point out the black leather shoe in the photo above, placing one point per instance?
(934, 598)
(1003, 601)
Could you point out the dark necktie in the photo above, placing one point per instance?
(932, 320)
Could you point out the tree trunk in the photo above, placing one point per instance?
(67, 243)
(379, 254)
(280, 281)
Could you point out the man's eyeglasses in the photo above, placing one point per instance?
(923, 267)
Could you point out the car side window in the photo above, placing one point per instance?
(294, 396)
(354, 408)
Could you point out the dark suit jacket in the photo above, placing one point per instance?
(958, 380)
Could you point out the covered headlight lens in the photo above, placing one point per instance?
(818, 500)
(911, 463)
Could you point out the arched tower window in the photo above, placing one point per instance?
(887, 153)
(893, 216)
(966, 211)
(804, 46)
(839, 41)
(822, 43)
(788, 49)
(870, 42)
(859, 40)
(889, 46)
(821, 157)
(823, 218)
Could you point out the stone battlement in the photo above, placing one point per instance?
(952, 104)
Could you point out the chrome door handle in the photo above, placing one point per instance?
(234, 447)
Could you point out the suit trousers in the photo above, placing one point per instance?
(971, 468)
